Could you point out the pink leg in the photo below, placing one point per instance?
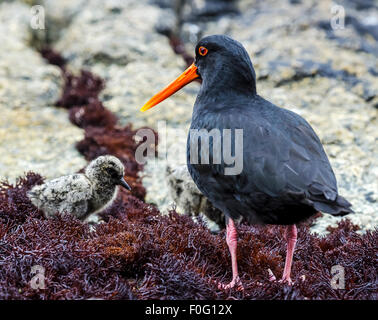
(232, 242)
(291, 238)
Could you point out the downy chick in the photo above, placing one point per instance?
(81, 194)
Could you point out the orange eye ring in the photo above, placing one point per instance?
(202, 51)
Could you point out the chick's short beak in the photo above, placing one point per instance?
(186, 77)
(123, 183)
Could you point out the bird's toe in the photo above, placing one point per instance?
(286, 280)
(235, 283)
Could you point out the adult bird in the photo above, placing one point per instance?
(286, 176)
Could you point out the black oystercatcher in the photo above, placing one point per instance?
(286, 176)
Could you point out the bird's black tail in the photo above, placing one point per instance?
(339, 207)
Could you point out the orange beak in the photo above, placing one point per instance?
(186, 77)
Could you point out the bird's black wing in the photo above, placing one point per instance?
(284, 159)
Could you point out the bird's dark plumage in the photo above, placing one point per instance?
(286, 174)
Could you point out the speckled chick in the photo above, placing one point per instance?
(81, 194)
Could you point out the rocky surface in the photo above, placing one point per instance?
(189, 198)
(120, 44)
(34, 135)
(327, 76)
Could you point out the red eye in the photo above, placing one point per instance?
(202, 51)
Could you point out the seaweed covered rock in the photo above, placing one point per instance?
(103, 135)
(139, 254)
(127, 55)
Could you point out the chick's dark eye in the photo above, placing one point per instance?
(202, 51)
(112, 172)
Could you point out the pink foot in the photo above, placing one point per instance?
(287, 281)
(273, 278)
(231, 239)
(234, 283)
(291, 238)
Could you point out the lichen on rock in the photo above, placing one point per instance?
(33, 134)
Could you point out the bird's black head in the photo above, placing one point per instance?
(224, 66)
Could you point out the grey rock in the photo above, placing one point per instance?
(132, 30)
(213, 8)
(126, 50)
(188, 198)
(34, 135)
(282, 72)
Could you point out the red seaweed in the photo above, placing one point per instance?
(139, 254)
(80, 89)
(93, 114)
(53, 57)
